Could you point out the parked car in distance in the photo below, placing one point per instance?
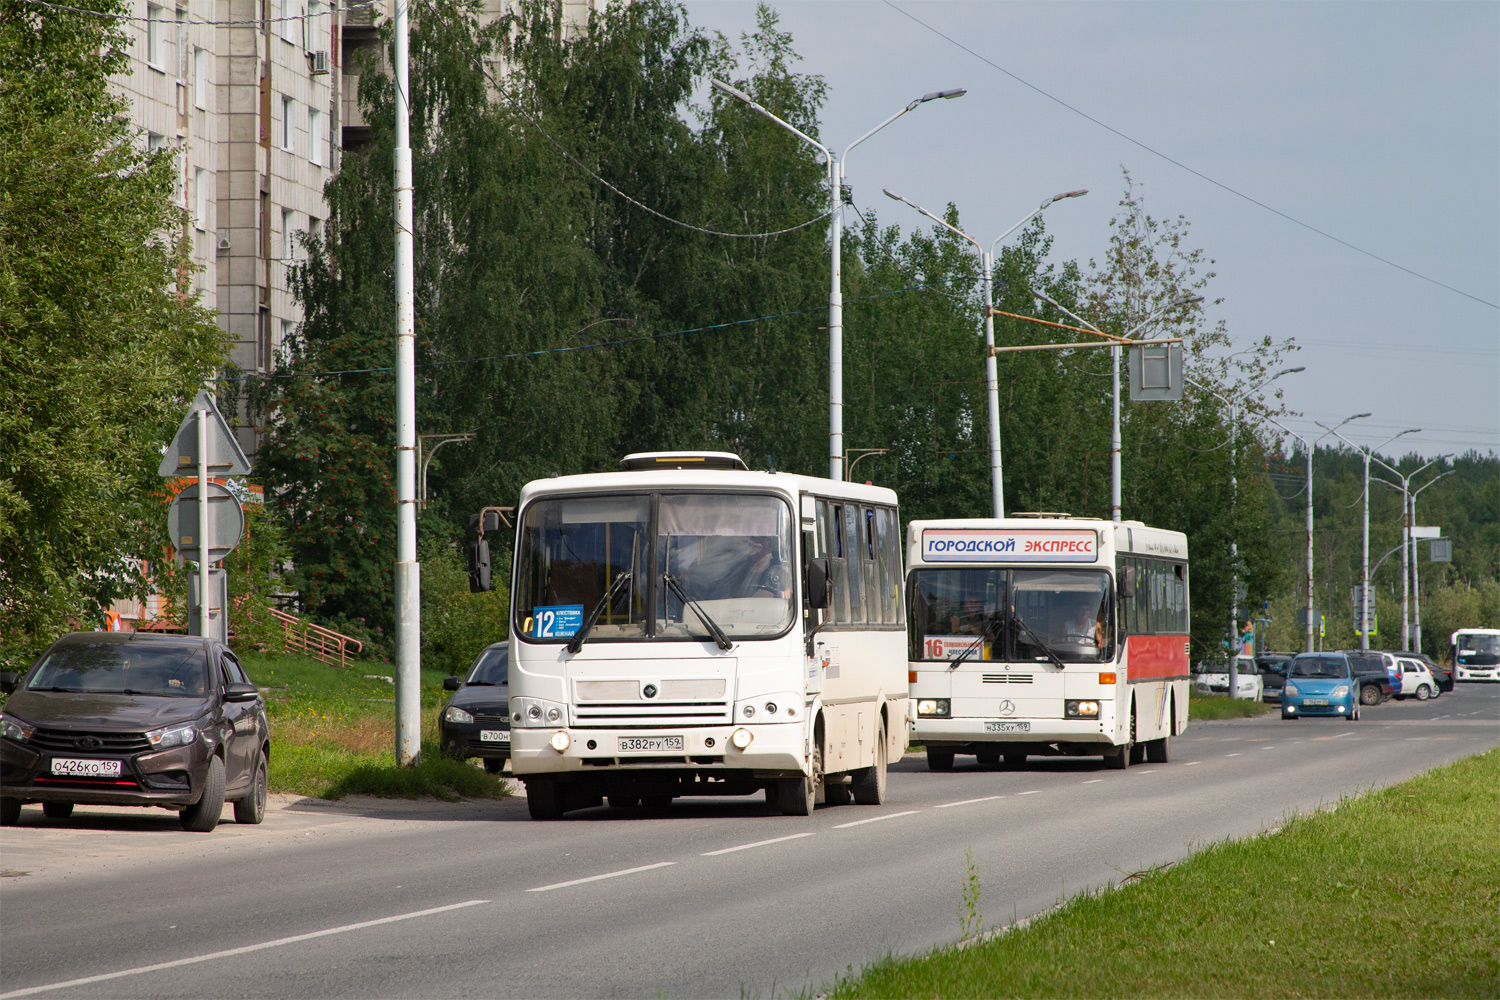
(476, 720)
(1416, 680)
(1441, 674)
(1377, 674)
(1214, 679)
(135, 719)
(1273, 667)
(1320, 684)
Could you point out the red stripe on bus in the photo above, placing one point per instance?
(1157, 658)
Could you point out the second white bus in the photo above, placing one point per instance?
(1047, 635)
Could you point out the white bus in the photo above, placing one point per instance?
(1047, 635)
(1476, 654)
(689, 627)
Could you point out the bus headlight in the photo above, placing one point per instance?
(1074, 709)
(560, 741)
(554, 714)
(933, 708)
(741, 738)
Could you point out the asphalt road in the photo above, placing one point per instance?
(711, 898)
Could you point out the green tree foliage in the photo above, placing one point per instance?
(101, 343)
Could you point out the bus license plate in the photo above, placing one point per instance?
(1007, 727)
(494, 736)
(85, 768)
(650, 744)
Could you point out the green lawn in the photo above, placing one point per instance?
(333, 732)
(1392, 894)
(1220, 706)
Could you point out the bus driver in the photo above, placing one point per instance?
(1086, 627)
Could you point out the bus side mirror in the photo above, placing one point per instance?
(479, 567)
(817, 583)
(1127, 583)
(9, 681)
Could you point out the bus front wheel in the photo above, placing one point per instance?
(543, 799)
(797, 796)
(939, 760)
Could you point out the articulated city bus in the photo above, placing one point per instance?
(689, 627)
(1047, 635)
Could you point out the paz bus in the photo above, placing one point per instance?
(1047, 635)
(1476, 654)
(687, 626)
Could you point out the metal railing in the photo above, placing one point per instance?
(332, 648)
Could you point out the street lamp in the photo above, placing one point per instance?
(1405, 488)
(1416, 582)
(1364, 593)
(835, 238)
(987, 279)
(1234, 491)
(1114, 352)
(1308, 447)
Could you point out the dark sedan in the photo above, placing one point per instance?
(130, 719)
(476, 720)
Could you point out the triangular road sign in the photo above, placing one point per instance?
(225, 456)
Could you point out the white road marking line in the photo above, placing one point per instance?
(1190, 763)
(875, 819)
(969, 802)
(758, 843)
(1148, 770)
(1034, 791)
(1093, 781)
(596, 878)
(245, 949)
(1227, 754)
(1263, 748)
(1341, 736)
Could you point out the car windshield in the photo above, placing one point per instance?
(730, 554)
(997, 614)
(492, 667)
(114, 667)
(1319, 666)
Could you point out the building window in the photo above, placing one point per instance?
(315, 137)
(288, 228)
(291, 24)
(200, 78)
(314, 34)
(200, 198)
(154, 32)
(288, 122)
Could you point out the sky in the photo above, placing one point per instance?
(1375, 123)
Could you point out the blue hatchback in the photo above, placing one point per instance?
(1320, 684)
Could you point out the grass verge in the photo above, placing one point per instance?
(1219, 706)
(333, 733)
(1393, 894)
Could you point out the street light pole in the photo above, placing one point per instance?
(1364, 593)
(987, 279)
(835, 240)
(1234, 494)
(1416, 582)
(1114, 351)
(1308, 446)
(1405, 540)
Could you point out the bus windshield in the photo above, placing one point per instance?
(1478, 650)
(1023, 614)
(730, 555)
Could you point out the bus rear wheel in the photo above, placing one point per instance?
(1159, 751)
(869, 782)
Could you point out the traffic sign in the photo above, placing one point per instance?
(225, 456)
(226, 523)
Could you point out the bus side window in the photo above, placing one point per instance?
(852, 570)
(888, 530)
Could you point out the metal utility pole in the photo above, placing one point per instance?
(1416, 578)
(835, 242)
(987, 279)
(1405, 489)
(408, 570)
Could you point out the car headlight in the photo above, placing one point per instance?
(13, 728)
(457, 715)
(1081, 709)
(172, 736)
(933, 708)
(1340, 691)
(1291, 689)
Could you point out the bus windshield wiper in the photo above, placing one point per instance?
(720, 638)
(989, 626)
(576, 643)
(1021, 623)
